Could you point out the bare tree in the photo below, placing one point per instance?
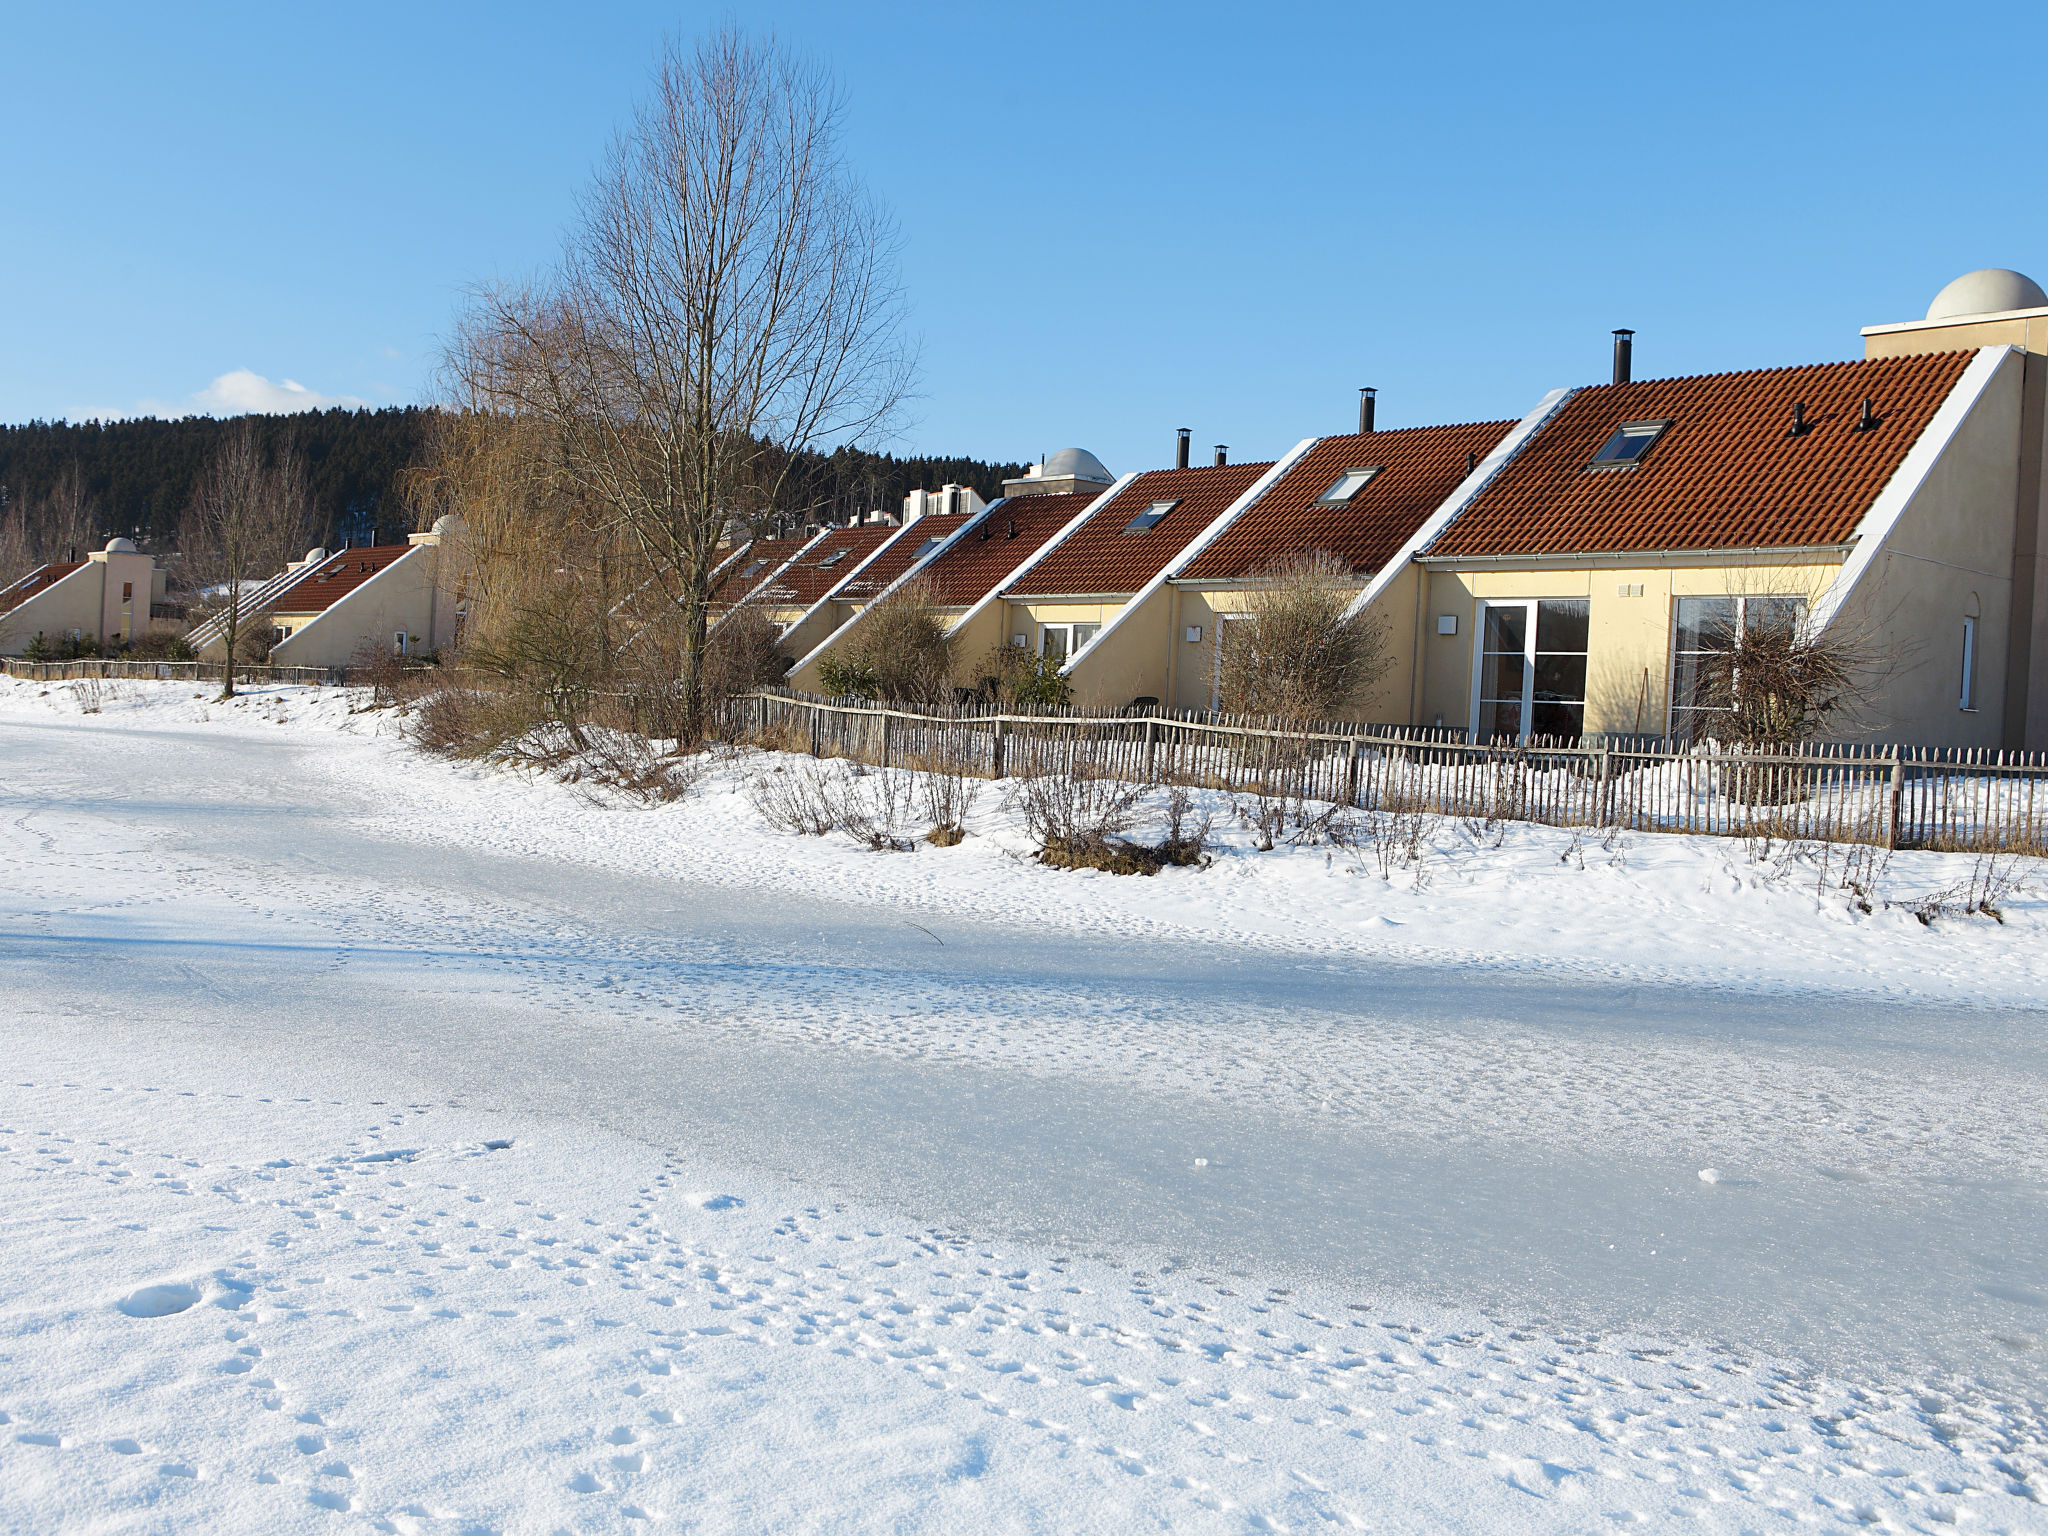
(727, 298)
(899, 651)
(1294, 651)
(249, 516)
(60, 525)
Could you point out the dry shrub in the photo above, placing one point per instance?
(1080, 819)
(798, 798)
(899, 651)
(1187, 830)
(742, 655)
(1015, 677)
(1296, 652)
(947, 788)
(872, 806)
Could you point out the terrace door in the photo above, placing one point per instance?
(1530, 673)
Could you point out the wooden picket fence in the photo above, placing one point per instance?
(1898, 796)
(167, 671)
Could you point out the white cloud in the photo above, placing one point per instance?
(243, 393)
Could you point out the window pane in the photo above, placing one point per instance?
(1500, 677)
(1083, 633)
(1561, 676)
(1502, 719)
(1699, 680)
(1507, 629)
(1562, 626)
(1772, 615)
(1547, 718)
(1055, 640)
(1706, 624)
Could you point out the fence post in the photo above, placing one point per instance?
(885, 742)
(996, 754)
(1898, 787)
(1151, 741)
(1351, 773)
(1606, 784)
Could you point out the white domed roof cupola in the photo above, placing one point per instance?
(1987, 291)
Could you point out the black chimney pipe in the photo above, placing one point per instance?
(1366, 399)
(1624, 350)
(1222, 454)
(1180, 452)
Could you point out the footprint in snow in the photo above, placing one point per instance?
(159, 1300)
(721, 1202)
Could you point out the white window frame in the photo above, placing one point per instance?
(1969, 695)
(1073, 647)
(1529, 607)
(1741, 601)
(1363, 474)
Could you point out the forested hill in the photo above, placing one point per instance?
(138, 476)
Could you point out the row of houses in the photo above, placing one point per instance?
(1561, 574)
(1556, 574)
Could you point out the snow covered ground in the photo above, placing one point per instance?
(854, 1191)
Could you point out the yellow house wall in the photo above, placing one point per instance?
(1628, 639)
(2018, 330)
(1128, 664)
(76, 602)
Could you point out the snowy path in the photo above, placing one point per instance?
(1507, 1165)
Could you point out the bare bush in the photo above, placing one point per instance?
(898, 651)
(1994, 880)
(947, 792)
(1759, 671)
(1016, 677)
(874, 808)
(797, 798)
(1187, 830)
(1297, 651)
(1081, 819)
(91, 694)
(742, 655)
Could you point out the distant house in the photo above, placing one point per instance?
(104, 598)
(331, 610)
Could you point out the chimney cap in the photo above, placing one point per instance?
(1623, 331)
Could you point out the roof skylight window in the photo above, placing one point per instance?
(832, 559)
(1346, 486)
(929, 545)
(754, 570)
(1630, 442)
(1148, 519)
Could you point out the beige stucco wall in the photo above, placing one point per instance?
(403, 596)
(75, 603)
(1628, 636)
(2019, 329)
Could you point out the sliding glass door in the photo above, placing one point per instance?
(1530, 676)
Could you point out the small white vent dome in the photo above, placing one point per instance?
(1079, 463)
(1988, 291)
(120, 546)
(315, 555)
(448, 524)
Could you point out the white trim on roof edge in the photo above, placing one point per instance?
(995, 593)
(343, 601)
(747, 596)
(833, 591)
(1201, 541)
(1468, 490)
(1883, 513)
(973, 520)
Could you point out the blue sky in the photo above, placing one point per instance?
(1119, 220)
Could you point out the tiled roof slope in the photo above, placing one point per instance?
(1418, 468)
(810, 578)
(1725, 476)
(1013, 531)
(340, 575)
(1100, 557)
(896, 559)
(750, 569)
(37, 581)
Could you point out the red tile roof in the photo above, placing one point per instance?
(37, 581)
(337, 576)
(1725, 476)
(810, 578)
(1100, 557)
(896, 559)
(1418, 468)
(746, 571)
(1014, 530)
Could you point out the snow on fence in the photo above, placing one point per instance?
(167, 671)
(1896, 796)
